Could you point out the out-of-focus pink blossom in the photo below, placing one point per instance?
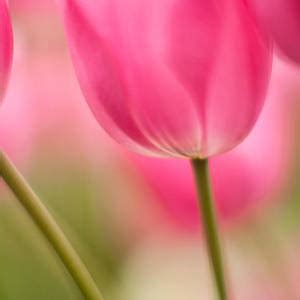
(15, 132)
(16, 118)
(170, 77)
(281, 18)
(243, 179)
(62, 124)
(6, 46)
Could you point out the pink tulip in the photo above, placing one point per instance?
(243, 179)
(281, 18)
(6, 46)
(171, 77)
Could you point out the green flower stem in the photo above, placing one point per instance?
(45, 222)
(201, 171)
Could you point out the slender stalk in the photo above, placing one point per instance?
(201, 171)
(52, 232)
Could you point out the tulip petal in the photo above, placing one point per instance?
(101, 79)
(226, 68)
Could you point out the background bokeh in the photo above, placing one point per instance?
(138, 242)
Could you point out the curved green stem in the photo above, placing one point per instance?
(201, 171)
(42, 218)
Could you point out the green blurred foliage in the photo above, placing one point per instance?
(29, 267)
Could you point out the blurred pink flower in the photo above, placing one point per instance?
(6, 46)
(63, 122)
(281, 18)
(171, 77)
(15, 129)
(62, 125)
(243, 179)
(16, 118)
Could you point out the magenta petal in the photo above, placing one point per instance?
(101, 79)
(6, 46)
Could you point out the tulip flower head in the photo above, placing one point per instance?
(170, 77)
(6, 46)
(281, 18)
